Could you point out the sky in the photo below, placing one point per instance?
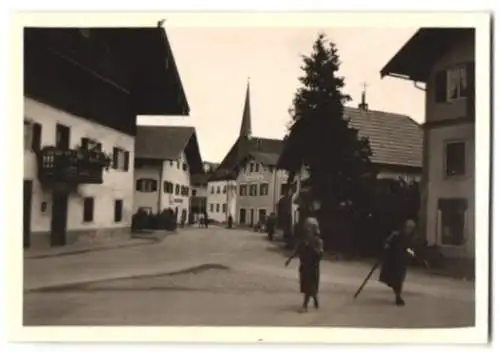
(215, 64)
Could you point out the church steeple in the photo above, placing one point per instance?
(246, 122)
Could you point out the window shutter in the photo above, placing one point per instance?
(115, 158)
(440, 87)
(99, 147)
(36, 140)
(85, 143)
(471, 89)
(138, 185)
(127, 160)
(154, 185)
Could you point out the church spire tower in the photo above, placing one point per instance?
(246, 122)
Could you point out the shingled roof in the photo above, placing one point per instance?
(167, 143)
(395, 139)
(264, 150)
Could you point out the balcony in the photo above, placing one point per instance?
(71, 166)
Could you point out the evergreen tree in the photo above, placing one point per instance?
(321, 139)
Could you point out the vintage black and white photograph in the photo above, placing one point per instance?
(286, 175)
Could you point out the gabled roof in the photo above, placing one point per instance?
(167, 143)
(415, 59)
(394, 139)
(264, 150)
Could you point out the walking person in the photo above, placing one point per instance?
(309, 249)
(205, 219)
(271, 226)
(201, 222)
(395, 259)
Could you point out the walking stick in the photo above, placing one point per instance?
(375, 266)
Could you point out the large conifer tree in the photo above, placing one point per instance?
(321, 139)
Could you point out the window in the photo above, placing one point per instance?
(224, 189)
(91, 144)
(212, 189)
(224, 208)
(217, 207)
(118, 210)
(185, 191)
(218, 189)
(62, 136)
(211, 207)
(283, 190)
(168, 187)
(32, 136)
(184, 166)
(452, 221)
(171, 162)
(264, 189)
(455, 158)
(243, 190)
(257, 167)
(251, 167)
(177, 189)
(454, 83)
(253, 190)
(120, 159)
(193, 193)
(88, 209)
(146, 185)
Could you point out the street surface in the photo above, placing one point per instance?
(221, 277)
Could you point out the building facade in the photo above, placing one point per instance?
(246, 184)
(444, 60)
(165, 159)
(79, 126)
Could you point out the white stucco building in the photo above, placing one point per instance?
(444, 60)
(79, 127)
(165, 159)
(221, 200)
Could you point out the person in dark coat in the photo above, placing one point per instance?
(395, 259)
(309, 249)
(230, 222)
(271, 226)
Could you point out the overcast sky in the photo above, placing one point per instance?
(214, 64)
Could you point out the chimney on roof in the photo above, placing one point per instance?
(363, 105)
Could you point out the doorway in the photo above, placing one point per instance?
(27, 194)
(59, 218)
(262, 215)
(243, 216)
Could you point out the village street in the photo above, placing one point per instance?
(225, 277)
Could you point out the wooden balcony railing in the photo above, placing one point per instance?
(74, 166)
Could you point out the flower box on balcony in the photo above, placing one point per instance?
(76, 166)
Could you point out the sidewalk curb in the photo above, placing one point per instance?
(182, 269)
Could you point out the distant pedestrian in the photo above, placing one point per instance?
(271, 226)
(309, 248)
(201, 220)
(230, 222)
(205, 219)
(395, 259)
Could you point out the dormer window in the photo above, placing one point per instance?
(453, 84)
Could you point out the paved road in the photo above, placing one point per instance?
(225, 277)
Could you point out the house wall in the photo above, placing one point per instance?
(173, 172)
(116, 184)
(147, 199)
(274, 178)
(226, 195)
(395, 175)
(438, 185)
(170, 171)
